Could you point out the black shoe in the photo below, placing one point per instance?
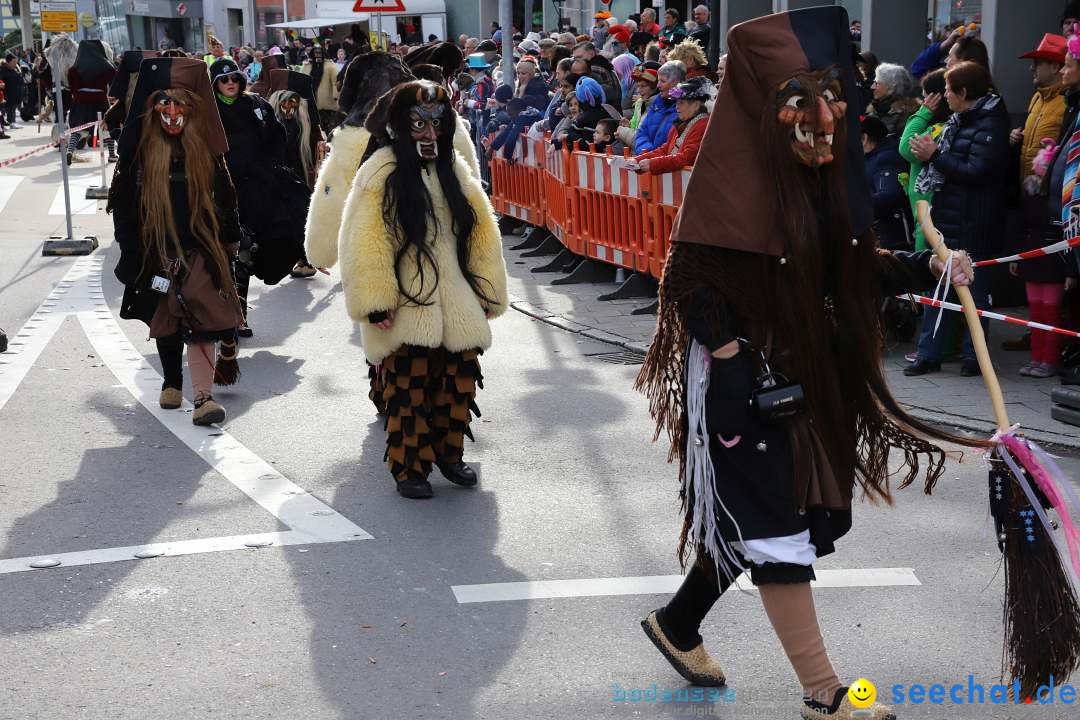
(245, 331)
(69, 156)
(970, 368)
(415, 487)
(921, 367)
(458, 473)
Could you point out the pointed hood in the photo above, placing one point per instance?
(729, 199)
(163, 73)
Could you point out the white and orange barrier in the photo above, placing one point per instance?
(591, 202)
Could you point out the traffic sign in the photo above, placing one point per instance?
(379, 6)
(59, 17)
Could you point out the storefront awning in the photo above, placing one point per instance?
(315, 23)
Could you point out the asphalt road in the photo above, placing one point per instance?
(327, 623)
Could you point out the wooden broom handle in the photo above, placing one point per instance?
(937, 242)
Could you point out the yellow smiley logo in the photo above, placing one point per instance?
(862, 694)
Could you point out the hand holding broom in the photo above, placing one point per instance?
(1042, 614)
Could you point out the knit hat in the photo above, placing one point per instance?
(503, 93)
(621, 33)
(225, 67)
(529, 47)
(873, 127)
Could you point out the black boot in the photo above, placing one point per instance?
(414, 487)
(458, 473)
(921, 367)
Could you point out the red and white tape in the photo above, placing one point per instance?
(1029, 254)
(991, 315)
(43, 148)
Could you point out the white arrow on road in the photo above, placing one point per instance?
(79, 294)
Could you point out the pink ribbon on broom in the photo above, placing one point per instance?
(1054, 485)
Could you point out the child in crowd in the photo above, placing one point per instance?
(604, 136)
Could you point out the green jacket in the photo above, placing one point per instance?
(917, 124)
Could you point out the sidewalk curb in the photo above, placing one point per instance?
(960, 422)
(538, 313)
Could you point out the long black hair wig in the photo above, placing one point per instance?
(407, 206)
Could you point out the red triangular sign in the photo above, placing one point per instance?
(379, 6)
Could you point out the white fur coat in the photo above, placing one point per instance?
(456, 318)
(335, 179)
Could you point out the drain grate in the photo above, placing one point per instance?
(620, 357)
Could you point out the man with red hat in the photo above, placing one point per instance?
(1047, 106)
(1043, 277)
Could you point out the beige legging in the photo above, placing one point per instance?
(790, 608)
(201, 358)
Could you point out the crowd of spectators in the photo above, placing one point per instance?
(933, 128)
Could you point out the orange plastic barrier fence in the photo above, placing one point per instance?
(590, 202)
(517, 186)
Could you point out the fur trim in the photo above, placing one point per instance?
(455, 319)
(463, 145)
(331, 192)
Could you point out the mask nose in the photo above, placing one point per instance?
(826, 121)
(428, 135)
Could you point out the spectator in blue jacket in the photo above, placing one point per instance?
(653, 130)
(521, 116)
(892, 212)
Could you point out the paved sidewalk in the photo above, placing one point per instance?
(944, 398)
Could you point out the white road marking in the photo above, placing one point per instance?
(8, 183)
(79, 204)
(79, 293)
(661, 585)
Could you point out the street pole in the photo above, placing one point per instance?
(63, 160)
(506, 21)
(528, 18)
(27, 23)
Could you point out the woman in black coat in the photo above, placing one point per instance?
(966, 170)
(270, 199)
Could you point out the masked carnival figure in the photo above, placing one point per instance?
(120, 91)
(324, 82)
(766, 370)
(89, 80)
(175, 220)
(423, 272)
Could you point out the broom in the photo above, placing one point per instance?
(1041, 612)
(227, 369)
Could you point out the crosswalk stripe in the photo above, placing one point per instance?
(79, 204)
(8, 183)
(662, 585)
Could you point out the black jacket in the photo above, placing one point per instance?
(892, 210)
(135, 268)
(756, 486)
(968, 208)
(256, 138)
